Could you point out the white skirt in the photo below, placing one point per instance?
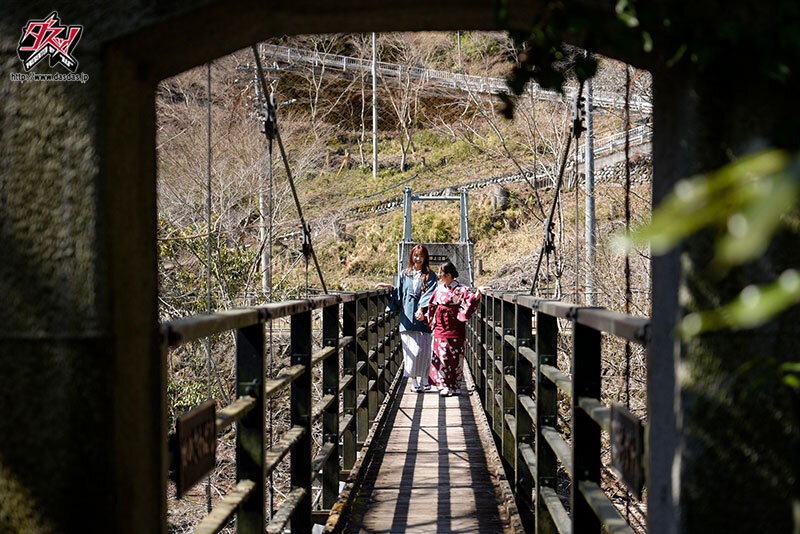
(416, 353)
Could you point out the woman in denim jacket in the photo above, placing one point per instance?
(410, 296)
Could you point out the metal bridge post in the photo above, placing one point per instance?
(524, 475)
(373, 397)
(489, 367)
(350, 392)
(330, 418)
(585, 432)
(383, 370)
(301, 416)
(509, 393)
(546, 414)
(497, 366)
(250, 429)
(362, 372)
(481, 356)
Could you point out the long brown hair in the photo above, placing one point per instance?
(426, 270)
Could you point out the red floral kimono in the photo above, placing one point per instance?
(449, 309)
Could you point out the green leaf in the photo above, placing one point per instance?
(754, 306)
(711, 199)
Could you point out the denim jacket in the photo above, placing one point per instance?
(407, 300)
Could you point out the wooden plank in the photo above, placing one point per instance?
(346, 381)
(180, 331)
(319, 460)
(322, 354)
(558, 378)
(346, 422)
(609, 516)
(555, 308)
(556, 509)
(559, 446)
(284, 378)
(234, 411)
(529, 354)
(530, 458)
(634, 329)
(278, 451)
(345, 340)
(512, 382)
(529, 405)
(221, 514)
(321, 406)
(600, 413)
(433, 473)
(511, 424)
(287, 509)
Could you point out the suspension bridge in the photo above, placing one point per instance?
(83, 356)
(391, 460)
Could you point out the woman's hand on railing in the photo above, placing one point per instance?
(382, 285)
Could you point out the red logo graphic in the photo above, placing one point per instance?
(48, 38)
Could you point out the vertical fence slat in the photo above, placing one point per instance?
(362, 376)
(481, 341)
(497, 345)
(524, 478)
(250, 430)
(383, 369)
(546, 414)
(330, 418)
(372, 345)
(509, 396)
(300, 467)
(585, 432)
(349, 394)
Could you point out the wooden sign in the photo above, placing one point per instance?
(434, 259)
(197, 445)
(627, 448)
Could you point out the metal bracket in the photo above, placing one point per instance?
(549, 420)
(508, 369)
(526, 438)
(331, 438)
(548, 482)
(525, 342)
(330, 342)
(250, 389)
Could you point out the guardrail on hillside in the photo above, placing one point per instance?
(512, 354)
(443, 79)
(369, 342)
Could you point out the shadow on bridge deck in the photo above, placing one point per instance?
(430, 471)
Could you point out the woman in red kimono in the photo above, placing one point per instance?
(450, 307)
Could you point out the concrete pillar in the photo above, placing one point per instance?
(81, 376)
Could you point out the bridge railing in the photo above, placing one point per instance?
(512, 354)
(370, 356)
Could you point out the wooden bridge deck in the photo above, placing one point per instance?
(430, 471)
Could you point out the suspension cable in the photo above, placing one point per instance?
(269, 119)
(577, 223)
(628, 295)
(549, 220)
(277, 135)
(208, 255)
